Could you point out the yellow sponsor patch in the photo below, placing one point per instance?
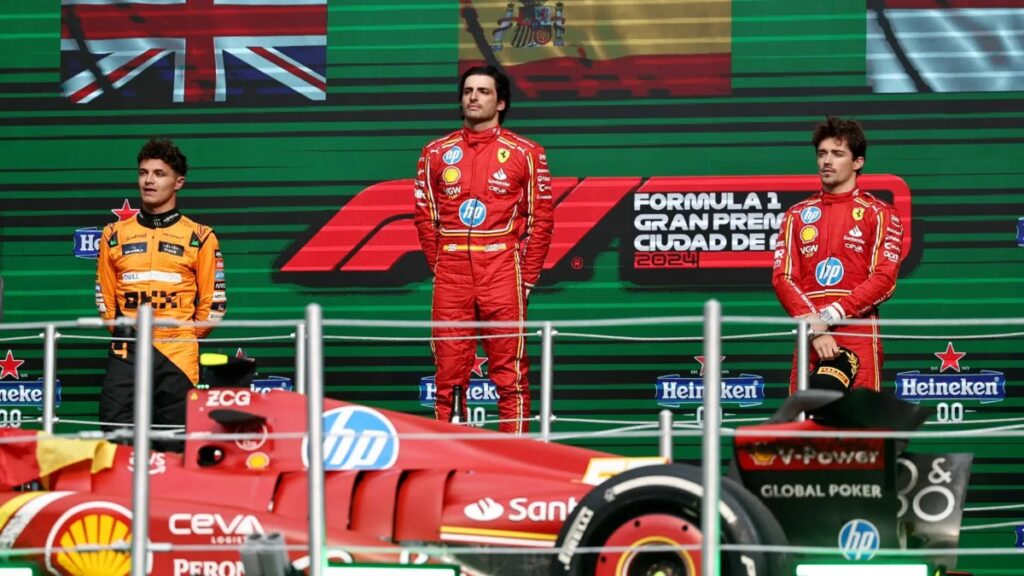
(451, 175)
(257, 461)
(835, 373)
(86, 525)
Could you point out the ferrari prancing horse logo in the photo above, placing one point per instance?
(503, 155)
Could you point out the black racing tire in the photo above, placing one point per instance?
(768, 528)
(652, 494)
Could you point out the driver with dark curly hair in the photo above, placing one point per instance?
(838, 256)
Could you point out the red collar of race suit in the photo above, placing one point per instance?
(474, 138)
(833, 198)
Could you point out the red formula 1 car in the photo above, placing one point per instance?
(391, 479)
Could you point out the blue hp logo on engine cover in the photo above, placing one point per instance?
(472, 212)
(829, 272)
(859, 540)
(357, 438)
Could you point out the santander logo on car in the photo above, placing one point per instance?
(484, 510)
(521, 509)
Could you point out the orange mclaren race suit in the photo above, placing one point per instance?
(484, 218)
(838, 255)
(174, 265)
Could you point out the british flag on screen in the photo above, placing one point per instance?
(154, 51)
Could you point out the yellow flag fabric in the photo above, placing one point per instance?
(599, 29)
(27, 455)
(53, 454)
(590, 47)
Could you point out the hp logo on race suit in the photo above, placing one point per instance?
(859, 540)
(472, 212)
(810, 215)
(829, 272)
(357, 438)
(453, 156)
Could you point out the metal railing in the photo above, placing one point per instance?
(309, 379)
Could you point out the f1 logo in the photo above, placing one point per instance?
(829, 272)
(368, 240)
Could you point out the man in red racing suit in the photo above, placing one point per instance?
(484, 219)
(838, 255)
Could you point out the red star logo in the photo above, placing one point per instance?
(701, 360)
(125, 212)
(950, 358)
(9, 366)
(478, 365)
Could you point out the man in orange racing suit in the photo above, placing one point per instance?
(484, 218)
(172, 263)
(838, 255)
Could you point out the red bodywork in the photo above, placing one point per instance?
(415, 486)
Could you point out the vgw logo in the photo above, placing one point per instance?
(859, 540)
(356, 438)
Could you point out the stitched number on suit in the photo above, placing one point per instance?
(158, 299)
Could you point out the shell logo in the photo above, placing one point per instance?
(94, 524)
(257, 461)
(763, 455)
(451, 175)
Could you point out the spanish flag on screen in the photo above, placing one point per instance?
(602, 48)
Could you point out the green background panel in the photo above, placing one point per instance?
(267, 177)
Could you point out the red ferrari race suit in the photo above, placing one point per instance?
(174, 265)
(484, 218)
(840, 252)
